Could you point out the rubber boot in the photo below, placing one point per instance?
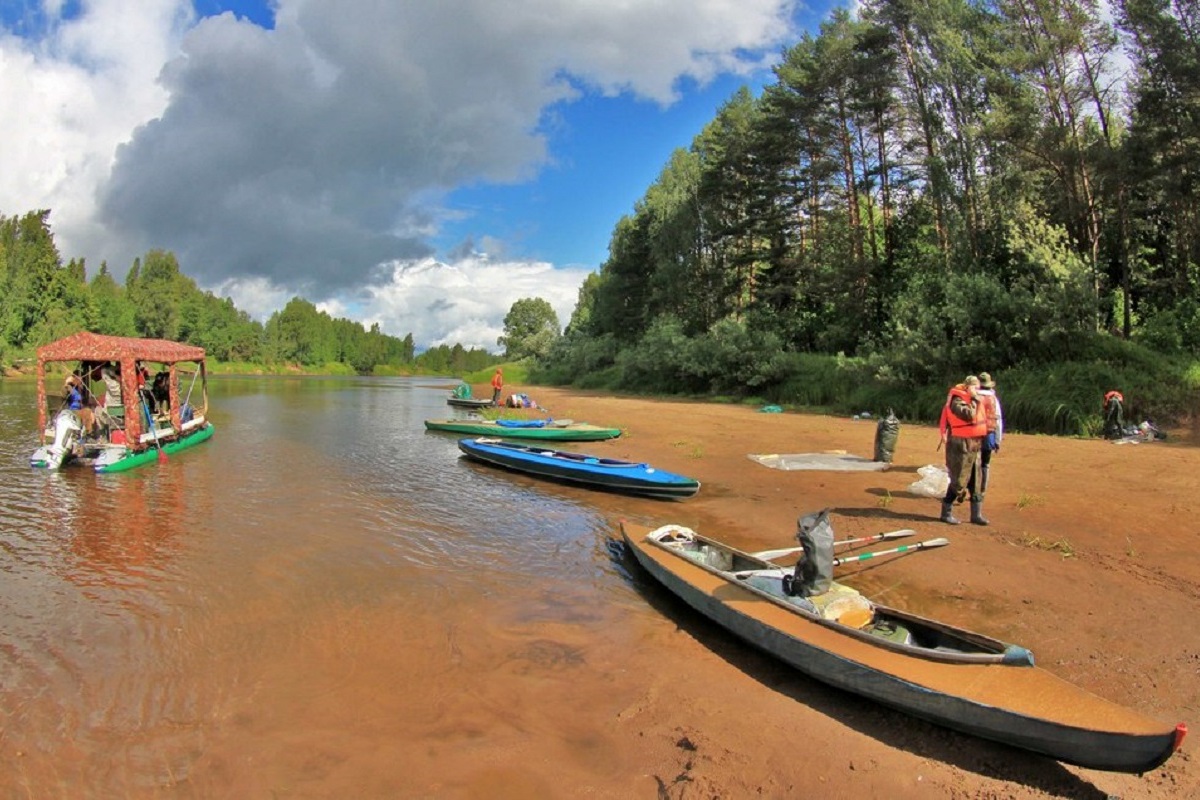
(948, 513)
(977, 517)
(983, 473)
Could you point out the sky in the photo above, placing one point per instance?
(420, 164)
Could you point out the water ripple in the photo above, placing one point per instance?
(146, 613)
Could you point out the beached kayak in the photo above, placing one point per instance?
(954, 677)
(595, 472)
(542, 429)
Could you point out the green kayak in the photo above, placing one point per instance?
(542, 429)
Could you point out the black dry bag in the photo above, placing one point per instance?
(887, 431)
(813, 573)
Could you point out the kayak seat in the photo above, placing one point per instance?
(890, 630)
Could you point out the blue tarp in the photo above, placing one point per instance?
(521, 423)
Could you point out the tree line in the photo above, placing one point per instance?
(42, 299)
(925, 189)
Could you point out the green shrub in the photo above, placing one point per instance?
(655, 364)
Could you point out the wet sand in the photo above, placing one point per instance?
(1089, 561)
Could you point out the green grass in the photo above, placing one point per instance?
(1061, 546)
(696, 451)
(1027, 500)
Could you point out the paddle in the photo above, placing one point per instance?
(771, 555)
(908, 548)
(162, 454)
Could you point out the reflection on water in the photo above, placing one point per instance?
(217, 621)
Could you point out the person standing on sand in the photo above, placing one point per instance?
(1114, 424)
(962, 428)
(497, 386)
(995, 426)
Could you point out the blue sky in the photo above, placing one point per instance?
(607, 151)
(420, 165)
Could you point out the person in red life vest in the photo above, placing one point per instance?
(995, 426)
(497, 386)
(963, 427)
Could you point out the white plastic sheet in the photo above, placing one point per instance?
(934, 481)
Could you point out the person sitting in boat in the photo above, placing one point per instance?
(75, 398)
(110, 413)
(72, 395)
(145, 392)
(110, 374)
(161, 390)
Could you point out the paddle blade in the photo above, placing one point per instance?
(162, 456)
(771, 555)
(939, 542)
(897, 534)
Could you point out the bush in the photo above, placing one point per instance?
(730, 358)
(655, 364)
(912, 378)
(574, 359)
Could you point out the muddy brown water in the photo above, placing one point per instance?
(324, 598)
(327, 601)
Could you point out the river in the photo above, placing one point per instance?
(323, 600)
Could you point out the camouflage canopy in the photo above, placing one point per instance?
(128, 354)
(87, 346)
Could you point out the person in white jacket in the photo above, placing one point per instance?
(995, 424)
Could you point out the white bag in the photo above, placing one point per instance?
(934, 482)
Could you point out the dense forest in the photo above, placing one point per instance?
(42, 299)
(926, 189)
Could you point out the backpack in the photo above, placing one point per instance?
(814, 571)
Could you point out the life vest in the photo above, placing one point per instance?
(1108, 397)
(991, 410)
(963, 429)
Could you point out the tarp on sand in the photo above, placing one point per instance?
(836, 461)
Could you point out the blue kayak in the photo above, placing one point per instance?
(592, 471)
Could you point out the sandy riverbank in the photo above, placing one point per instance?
(1090, 561)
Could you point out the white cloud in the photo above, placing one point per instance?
(258, 297)
(466, 302)
(70, 98)
(313, 157)
(463, 302)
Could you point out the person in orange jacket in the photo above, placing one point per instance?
(963, 427)
(497, 386)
